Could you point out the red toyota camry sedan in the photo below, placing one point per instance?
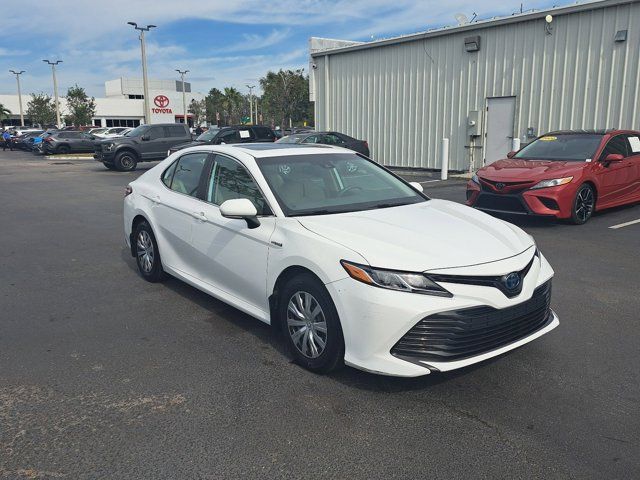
(567, 174)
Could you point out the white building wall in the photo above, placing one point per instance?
(404, 97)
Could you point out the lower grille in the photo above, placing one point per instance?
(467, 332)
(505, 203)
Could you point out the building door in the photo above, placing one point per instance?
(501, 113)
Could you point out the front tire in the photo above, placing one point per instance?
(583, 204)
(125, 161)
(147, 253)
(310, 324)
(109, 166)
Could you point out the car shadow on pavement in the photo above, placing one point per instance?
(268, 336)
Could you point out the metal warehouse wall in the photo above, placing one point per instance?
(405, 98)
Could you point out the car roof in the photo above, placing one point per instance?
(263, 150)
(582, 132)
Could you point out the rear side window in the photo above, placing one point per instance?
(230, 136)
(188, 170)
(264, 132)
(617, 144)
(177, 131)
(634, 143)
(245, 133)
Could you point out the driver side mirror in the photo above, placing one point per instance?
(613, 158)
(417, 186)
(145, 138)
(241, 208)
(511, 154)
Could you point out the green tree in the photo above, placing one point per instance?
(41, 109)
(198, 109)
(4, 112)
(82, 108)
(213, 102)
(286, 97)
(232, 104)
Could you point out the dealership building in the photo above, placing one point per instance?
(487, 86)
(123, 104)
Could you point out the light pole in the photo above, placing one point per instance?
(145, 80)
(251, 87)
(55, 88)
(285, 97)
(184, 98)
(17, 74)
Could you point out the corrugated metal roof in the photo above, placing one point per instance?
(476, 25)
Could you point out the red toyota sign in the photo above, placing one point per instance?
(162, 102)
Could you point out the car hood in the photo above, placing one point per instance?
(431, 235)
(119, 140)
(514, 169)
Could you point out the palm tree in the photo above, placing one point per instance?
(232, 105)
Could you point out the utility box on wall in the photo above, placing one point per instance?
(474, 124)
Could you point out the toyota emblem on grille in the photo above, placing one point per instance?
(499, 185)
(511, 281)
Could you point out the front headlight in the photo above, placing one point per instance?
(107, 147)
(552, 183)
(475, 179)
(413, 282)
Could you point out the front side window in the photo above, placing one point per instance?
(230, 180)
(138, 131)
(187, 172)
(208, 135)
(230, 136)
(562, 147)
(311, 139)
(320, 184)
(155, 132)
(331, 139)
(617, 145)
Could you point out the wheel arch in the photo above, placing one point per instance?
(139, 218)
(288, 273)
(128, 148)
(592, 184)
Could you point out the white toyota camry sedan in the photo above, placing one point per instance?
(352, 263)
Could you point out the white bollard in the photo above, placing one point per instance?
(444, 172)
(515, 146)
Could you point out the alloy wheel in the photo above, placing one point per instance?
(307, 324)
(126, 161)
(144, 249)
(584, 204)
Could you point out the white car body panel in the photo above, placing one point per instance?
(240, 266)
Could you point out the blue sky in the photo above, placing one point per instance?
(222, 43)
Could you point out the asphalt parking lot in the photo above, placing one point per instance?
(103, 375)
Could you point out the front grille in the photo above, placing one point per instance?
(504, 187)
(504, 203)
(467, 332)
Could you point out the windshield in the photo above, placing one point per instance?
(291, 139)
(138, 131)
(320, 184)
(208, 135)
(575, 147)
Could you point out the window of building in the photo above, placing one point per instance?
(122, 122)
(136, 97)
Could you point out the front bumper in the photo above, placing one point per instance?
(544, 202)
(103, 156)
(374, 319)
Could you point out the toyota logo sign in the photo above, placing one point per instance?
(162, 102)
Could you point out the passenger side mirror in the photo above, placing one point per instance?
(145, 138)
(241, 208)
(613, 158)
(417, 186)
(511, 154)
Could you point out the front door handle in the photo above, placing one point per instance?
(199, 216)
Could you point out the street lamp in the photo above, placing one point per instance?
(184, 99)
(55, 89)
(17, 74)
(251, 87)
(145, 81)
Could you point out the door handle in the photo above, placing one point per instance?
(199, 216)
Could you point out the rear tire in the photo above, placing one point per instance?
(584, 204)
(63, 149)
(125, 161)
(310, 324)
(147, 253)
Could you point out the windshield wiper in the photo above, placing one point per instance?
(315, 212)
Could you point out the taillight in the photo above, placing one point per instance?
(128, 190)
(366, 144)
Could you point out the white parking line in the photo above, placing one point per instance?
(626, 224)
(429, 181)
